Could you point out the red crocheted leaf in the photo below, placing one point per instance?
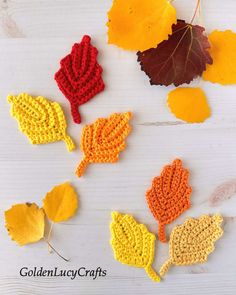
(179, 59)
(169, 195)
(80, 76)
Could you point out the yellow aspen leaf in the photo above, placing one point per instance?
(140, 25)
(60, 203)
(193, 241)
(132, 243)
(41, 120)
(189, 104)
(102, 141)
(25, 223)
(223, 48)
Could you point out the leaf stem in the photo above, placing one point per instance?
(165, 267)
(82, 166)
(50, 245)
(196, 10)
(162, 233)
(49, 236)
(69, 143)
(152, 274)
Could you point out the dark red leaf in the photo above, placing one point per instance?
(179, 59)
(79, 77)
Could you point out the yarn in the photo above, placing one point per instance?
(102, 141)
(79, 77)
(193, 241)
(41, 120)
(132, 243)
(169, 195)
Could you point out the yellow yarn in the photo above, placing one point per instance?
(193, 241)
(132, 243)
(41, 120)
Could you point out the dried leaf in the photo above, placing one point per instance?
(189, 104)
(138, 24)
(223, 192)
(178, 60)
(25, 223)
(132, 243)
(41, 120)
(169, 195)
(223, 48)
(193, 241)
(61, 202)
(80, 76)
(102, 141)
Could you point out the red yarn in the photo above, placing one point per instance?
(79, 77)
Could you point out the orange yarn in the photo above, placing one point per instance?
(102, 141)
(169, 195)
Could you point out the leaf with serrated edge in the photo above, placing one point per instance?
(193, 241)
(132, 243)
(178, 60)
(25, 223)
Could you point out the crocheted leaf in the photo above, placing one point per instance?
(102, 141)
(60, 203)
(80, 76)
(132, 243)
(138, 24)
(223, 48)
(25, 223)
(41, 120)
(193, 241)
(169, 195)
(189, 104)
(178, 60)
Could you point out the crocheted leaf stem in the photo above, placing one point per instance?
(102, 141)
(80, 76)
(193, 241)
(132, 243)
(169, 196)
(41, 120)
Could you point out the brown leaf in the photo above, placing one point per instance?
(178, 60)
(223, 192)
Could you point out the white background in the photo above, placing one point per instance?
(35, 35)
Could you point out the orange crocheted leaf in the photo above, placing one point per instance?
(102, 141)
(169, 195)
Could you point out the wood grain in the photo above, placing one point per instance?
(34, 36)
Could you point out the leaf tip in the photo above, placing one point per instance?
(10, 98)
(115, 215)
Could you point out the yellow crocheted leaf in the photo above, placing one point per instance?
(189, 104)
(61, 202)
(132, 243)
(193, 241)
(25, 223)
(41, 120)
(140, 25)
(102, 141)
(223, 48)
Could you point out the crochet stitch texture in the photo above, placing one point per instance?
(132, 243)
(193, 241)
(169, 195)
(102, 141)
(41, 120)
(79, 77)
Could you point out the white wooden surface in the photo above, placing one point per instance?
(34, 36)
